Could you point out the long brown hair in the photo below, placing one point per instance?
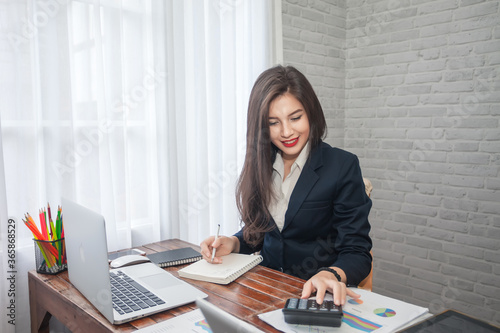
(254, 191)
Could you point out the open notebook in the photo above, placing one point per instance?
(233, 266)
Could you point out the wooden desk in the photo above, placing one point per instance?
(257, 291)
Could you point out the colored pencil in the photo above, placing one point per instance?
(49, 237)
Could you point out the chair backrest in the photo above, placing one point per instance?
(368, 186)
(368, 281)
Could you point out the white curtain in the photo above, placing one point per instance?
(133, 108)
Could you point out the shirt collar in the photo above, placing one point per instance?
(304, 154)
(301, 160)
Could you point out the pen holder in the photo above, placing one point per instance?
(50, 256)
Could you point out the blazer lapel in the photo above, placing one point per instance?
(306, 182)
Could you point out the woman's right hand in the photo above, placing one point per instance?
(223, 246)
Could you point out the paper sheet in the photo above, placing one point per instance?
(370, 313)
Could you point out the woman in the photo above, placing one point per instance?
(302, 202)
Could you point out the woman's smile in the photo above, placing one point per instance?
(290, 143)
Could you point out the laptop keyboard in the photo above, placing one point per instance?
(129, 296)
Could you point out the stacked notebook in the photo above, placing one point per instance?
(174, 257)
(233, 266)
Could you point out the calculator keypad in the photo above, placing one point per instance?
(308, 312)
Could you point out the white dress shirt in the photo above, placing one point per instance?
(283, 188)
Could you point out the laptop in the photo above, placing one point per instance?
(156, 290)
(222, 322)
(451, 321)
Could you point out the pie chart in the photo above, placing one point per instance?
(384, 312)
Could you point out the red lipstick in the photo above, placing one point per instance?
(290, 143)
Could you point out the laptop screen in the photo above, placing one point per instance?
(221, 321)
(87, 253)
(452, 321)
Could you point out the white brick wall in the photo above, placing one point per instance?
(420, 106)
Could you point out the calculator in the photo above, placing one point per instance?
(308, 312)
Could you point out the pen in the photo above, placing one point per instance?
(216, 236)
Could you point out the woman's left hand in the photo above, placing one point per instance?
(325, 281)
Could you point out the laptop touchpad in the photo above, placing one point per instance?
(159, 281)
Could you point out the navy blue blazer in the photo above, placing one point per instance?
(326, 223)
